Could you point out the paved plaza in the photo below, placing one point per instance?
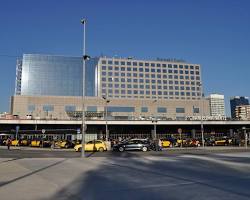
(140, 176)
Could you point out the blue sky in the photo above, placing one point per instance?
(213, 33)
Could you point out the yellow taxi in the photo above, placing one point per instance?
(14, 142)
(94, 145)
(223, 142)
(166, 143)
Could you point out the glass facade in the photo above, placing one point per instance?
(56, 76)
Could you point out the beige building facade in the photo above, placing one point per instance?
(61, 108)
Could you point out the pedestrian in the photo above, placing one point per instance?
(8, 142)
(159, 145)
(52, 145)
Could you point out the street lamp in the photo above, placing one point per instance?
(245, 135)
(202, 127)
(154, 135)
(85, 57)
(106, 115)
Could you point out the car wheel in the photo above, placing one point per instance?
(101, 149)
(66, 146)
(121, 149)
(80, 149)
(144, 149)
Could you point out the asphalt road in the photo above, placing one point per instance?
(181, 175)
(61, 153)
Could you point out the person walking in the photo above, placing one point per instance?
(159, 145)
(8, 142)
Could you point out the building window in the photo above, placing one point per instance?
(144, 109)
(196, 110)
(70, 108)
(128, 63)
(48, 108)
(31, 108)
(103, 61)
(180, 110)
(162, 110)
(103, 67)
(92, 108)
(120, 109)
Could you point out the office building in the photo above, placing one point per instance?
(237, 101)
(217, 105)
(53, 84)
(242, 112)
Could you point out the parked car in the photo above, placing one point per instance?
(66, 144)
(223, 141)
(94, 145)
(40, 143)
(132, 145)
(166, 143)
(191, 143)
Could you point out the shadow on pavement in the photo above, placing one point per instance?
(160, 178)
(29, 174)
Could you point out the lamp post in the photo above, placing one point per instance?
(155, 123)
(83, 22)
(245, 135)
(106, 116)
(202, 127)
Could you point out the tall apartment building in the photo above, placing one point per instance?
(242, 112)
(217, 105)
(237, 101)
(53, 84)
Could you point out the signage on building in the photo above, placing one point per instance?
(198, 118)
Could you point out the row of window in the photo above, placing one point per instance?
(71, 108)
(147, 64)
(124, 80)
(164, 76)
(151, 97)
(165, 87)
(129, 69)
(147, 92)
(170, 82)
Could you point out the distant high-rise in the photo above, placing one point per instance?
(217, 105)
(237, 101)
(242, 112)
